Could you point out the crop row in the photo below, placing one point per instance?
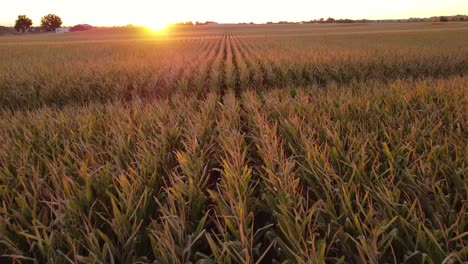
(77, 73)
(358, 174)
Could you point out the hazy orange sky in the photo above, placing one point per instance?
(149, 13)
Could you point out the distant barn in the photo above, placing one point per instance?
(62, 30)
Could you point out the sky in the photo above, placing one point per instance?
(157, 12)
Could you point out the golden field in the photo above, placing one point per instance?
(236, 144)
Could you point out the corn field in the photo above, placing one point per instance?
(236, 144)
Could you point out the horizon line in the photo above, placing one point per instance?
(9, 24)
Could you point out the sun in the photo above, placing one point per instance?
(158, 27)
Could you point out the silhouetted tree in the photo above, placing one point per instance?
(188, 23)
(51, 22)
(23, 23)
(443, 19)
(204, 23)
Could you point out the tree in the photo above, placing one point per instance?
(51, 22)
(23, 23)
(443, 19)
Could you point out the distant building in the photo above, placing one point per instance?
(62, 30)
(82, 27)
(37, 30)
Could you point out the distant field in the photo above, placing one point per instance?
(236, 144)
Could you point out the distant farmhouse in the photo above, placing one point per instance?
(62, 30)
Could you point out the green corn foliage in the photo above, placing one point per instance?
(235, 204)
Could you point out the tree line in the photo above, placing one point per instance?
(331, 20)
(49, 22)
(197, 23)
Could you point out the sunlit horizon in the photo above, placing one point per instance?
(161, 13)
